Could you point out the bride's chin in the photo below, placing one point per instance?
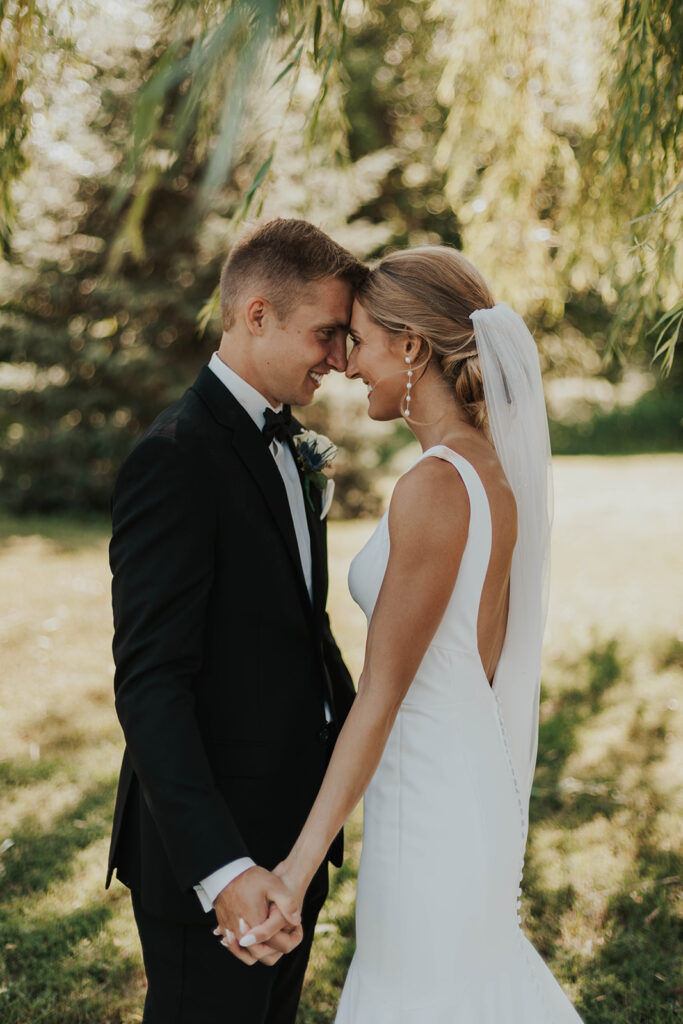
(383, 415)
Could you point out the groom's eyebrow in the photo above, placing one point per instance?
(339, 325)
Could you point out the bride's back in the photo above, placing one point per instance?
(493, 607)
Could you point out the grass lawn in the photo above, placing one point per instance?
(602, 868)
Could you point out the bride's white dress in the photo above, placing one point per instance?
(438, 931)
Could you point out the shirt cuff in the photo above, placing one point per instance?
(209, 887)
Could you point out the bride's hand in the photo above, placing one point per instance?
(296, 886)
(285, 904)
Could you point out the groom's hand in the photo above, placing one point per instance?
(247, 902)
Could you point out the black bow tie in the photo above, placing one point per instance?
(278, 425)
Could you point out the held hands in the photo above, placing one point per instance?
(258, 897)
(268, 932)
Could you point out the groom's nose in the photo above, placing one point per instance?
(336, 354)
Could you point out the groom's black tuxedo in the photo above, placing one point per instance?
(223, 663)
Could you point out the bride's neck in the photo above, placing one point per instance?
(436, 413)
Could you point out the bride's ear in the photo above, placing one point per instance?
(417, 349)
(411, 346)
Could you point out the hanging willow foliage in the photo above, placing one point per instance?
(561, 173)
(19, 23)
(645, 126)
(196, 95)
(540, 164)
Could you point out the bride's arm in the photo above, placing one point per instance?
(428, 524)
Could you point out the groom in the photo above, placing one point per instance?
(229, 685)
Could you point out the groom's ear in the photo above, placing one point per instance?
(255, 310)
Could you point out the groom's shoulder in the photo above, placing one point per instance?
(178, 435)
(181, 424)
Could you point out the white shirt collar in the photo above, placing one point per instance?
(251, 400)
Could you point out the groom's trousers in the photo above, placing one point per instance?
(192, 979)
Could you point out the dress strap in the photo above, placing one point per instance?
(477, 552)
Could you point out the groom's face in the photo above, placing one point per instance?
(293, 355)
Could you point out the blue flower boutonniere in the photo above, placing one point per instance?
(313, 453)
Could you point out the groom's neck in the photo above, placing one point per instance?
(233, 354)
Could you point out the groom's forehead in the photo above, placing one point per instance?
(330, 299)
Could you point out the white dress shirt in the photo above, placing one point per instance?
(255, 405)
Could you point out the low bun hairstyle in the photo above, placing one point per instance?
(431, 292)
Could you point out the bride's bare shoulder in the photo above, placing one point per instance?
(433, 490)
(430, 504)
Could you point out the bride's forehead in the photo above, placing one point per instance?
(360, 320)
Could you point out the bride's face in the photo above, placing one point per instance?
(377, 357)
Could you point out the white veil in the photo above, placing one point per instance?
(513, 391)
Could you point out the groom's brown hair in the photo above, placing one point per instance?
(281, 257)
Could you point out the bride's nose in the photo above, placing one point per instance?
(351, 370)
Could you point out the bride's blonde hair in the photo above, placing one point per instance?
(431, 292)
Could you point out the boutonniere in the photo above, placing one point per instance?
(313, 453)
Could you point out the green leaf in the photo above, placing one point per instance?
(317, 24)
(292, 64)
(292, 46)
(668, 337)
(209, 310)
(258, 178)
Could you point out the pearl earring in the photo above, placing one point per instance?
(409, 385)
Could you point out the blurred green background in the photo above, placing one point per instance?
(543, 139)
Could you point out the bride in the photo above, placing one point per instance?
(442, 736)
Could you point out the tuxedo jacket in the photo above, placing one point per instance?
(223, 661)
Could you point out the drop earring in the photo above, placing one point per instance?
(409, 386)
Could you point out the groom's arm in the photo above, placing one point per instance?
(162, 560)
(339, 673)
(342, 684)
(209, 888)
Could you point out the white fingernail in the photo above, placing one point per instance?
(225, 943)
(229, 936)
(243, 926)
(217, 931)
(248, 940)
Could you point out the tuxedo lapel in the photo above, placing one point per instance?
(249, 445)
(315, 529)
(319, 568)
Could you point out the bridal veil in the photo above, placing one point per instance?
(513, 392)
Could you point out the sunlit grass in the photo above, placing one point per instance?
(602, 867)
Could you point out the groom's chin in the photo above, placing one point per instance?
(302, 399)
